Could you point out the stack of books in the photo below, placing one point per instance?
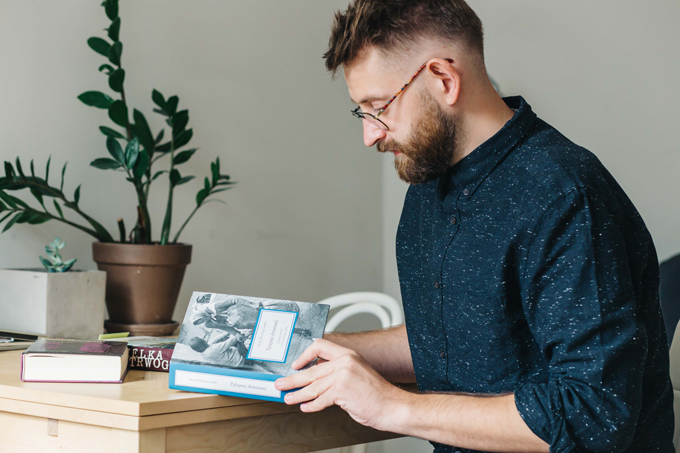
(230, 345)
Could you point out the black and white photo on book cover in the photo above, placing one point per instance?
(247, 333)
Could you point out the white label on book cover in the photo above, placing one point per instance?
(226, 383)
(272, 335)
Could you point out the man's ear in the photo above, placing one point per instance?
(446, 78)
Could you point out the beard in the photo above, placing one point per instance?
(428, 152)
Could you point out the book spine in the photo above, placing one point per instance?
(151, 359)
(224, 381)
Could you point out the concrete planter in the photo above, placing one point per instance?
(63, 305)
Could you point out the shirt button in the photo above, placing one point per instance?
(466, 192)
(453, 220)
(437, 285)
(442, 354)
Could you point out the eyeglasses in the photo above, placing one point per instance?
(373, 119)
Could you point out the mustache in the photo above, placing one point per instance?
(387, 147)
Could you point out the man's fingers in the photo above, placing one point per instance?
(310, 392)
(305, 377)
(322, 402)
(321, 348)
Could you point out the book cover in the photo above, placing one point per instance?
(66, 360)
(238, 346)
(150, 353)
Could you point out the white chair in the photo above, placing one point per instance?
(384, 307)
(675, 379)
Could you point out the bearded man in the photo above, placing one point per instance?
(529, 280)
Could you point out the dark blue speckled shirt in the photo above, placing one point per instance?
(526, 269)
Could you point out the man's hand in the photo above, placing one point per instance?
(344, 379)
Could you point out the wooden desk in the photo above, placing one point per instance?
(144, 415)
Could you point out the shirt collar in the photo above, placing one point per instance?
(473, 169)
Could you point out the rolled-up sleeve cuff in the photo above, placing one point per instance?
(543, 417)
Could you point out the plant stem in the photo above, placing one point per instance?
(101, 233)
(165, 234)
(174, 241)
(92, 233)
(145, 213)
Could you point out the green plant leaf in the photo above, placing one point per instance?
(200, 196)
(47, 169)
(13, 202)
(215, 172)
(45, 262)
(12, 221)
(99, 45)
(58, 208)
(9, 171)
(104, 163)
(185, 180)
(118, 113)
(159, 137)
(158, 174)
(5, 217)
(179, 121)
(165, 147)
(171, 105)
(158, 99)
(38, 196)
(111, 8)
(115, 150)
(19, 169)
(184, 156)
(206, 184)
(221, 190)
(114, 30)
(68, 265)
(3, 207)
(131, 153)
(175, 177)
(76, 195)
(115, 53)
(142, 164)
(217, 163)
(96, 99)
(106, 67)
(116, 80)
(36, 218)
(32, 169)
(63, 171)
(143, 131)
(111, 132)
(183, 138)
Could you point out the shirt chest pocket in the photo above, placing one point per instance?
(481, 349)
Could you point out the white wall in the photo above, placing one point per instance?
(303, 223)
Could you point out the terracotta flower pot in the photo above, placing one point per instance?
(142, 284)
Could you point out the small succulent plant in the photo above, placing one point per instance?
(53, 262)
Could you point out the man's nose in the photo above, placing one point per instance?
(372, 134)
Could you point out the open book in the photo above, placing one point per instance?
(238, 346)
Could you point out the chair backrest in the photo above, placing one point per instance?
(675, 379)
(669, 294)
(384, 307)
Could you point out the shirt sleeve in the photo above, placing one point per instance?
(580, 303)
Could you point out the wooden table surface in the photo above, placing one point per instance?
(143, 414)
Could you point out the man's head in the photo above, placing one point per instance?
(380, 44)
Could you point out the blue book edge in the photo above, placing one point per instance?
(204, 369)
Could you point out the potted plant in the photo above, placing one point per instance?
(144, 274)
(54, 301)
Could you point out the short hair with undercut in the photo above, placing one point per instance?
(393, 25)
